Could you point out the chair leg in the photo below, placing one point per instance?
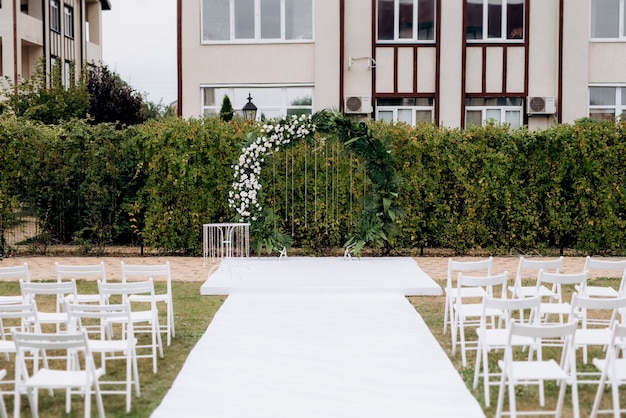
(512, 405)
(500, 396)
(445, 314)
(598, 398)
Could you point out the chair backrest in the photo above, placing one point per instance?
(102, 315)
(486, 282)
(559, 279)
(617, 267)
(15, 272)
(552, 332)
(131, 272)
(90, 271)
(509, 306)
(527, 265)
(145, 287)
(22, 317)
(30, 290)
(455, 266)
(27, 343)
(581, 305)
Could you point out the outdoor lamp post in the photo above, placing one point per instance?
(249, 110)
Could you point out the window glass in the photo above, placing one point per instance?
(406, 116)
(270, 19)
(271, 102)
(299, 97)
(474, 117)
(513, 117)
(474, 29)
(494, 19)
(299, 19)
(422, 116)
(605, 18)
(426, 20)
(405, 20)
(602, 114)
(515, 19)
(385, 115)
(68, 14)
(385, 20)
(493, 115)
(244, 19)
(215, 20)
(601, 96)
(55, 16)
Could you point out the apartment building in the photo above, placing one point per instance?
(451, 62)
(63, 31)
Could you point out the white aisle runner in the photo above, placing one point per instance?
(318, 355)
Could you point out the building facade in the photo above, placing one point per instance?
(67, 32)
(451, 62)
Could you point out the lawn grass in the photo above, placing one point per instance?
(194, 312)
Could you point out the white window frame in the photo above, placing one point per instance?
(282, 109)
(503, 38)
(68, 20)
(413, 109)
(257, 27)
(618, 108)
(55, 16)
(621, 34)
(396, 25)
(502, 109)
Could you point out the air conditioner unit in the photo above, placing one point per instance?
(358, 104)
(540, 105)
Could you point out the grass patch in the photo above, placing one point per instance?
(194, 312)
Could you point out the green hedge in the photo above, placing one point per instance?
(483, 188)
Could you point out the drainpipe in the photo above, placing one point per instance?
(179, 56)
(15, 47)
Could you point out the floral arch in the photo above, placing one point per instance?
(377, 223)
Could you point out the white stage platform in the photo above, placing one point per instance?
(320, 274)
(318, 337)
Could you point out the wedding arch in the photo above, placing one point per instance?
(376, 225)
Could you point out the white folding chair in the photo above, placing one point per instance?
(132, 272)
(556, 304)
(145, 320)
(491, 339)
(19, 272)
(110, 344)
(594, 324)
(78, 375)
(529, 268)
(606, 268)
(561, 369)
(58, 290)
(21, 317)
(468, 310)
(3, 409)
(66, 272)
(455, 267)
(613, 372)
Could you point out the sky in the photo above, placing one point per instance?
(139, 43)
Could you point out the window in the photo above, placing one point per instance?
(67, 74)
(257, 20)
(500, 110)
(55, 16)
(495, 20)
(406, 20)
(608, 19)
(409, 110)
(272, 102)
(607, 102)
(68, 15)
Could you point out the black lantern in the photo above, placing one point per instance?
(249, 110)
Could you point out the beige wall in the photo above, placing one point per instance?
(310, 63)
(317, 63)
